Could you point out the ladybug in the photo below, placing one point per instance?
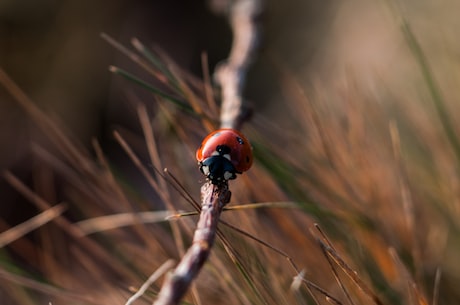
(223, 154)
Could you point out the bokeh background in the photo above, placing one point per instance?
(347, 120)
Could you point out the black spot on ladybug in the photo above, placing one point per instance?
(247, 159)
(240, 141)
(223, 149)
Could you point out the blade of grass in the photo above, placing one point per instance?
(154, 60)
(181, 104)
(237, 260)
(337, 278)
(90, 246)
(135, 58)
(282, 253)
(352, 274)
(154, 155)
(433, 87)
(207, 84)
(28, 282)
(33, 223)
(437, 280)
(414, 292)
(109, 222)
(310, 286)
(74, 153)
(160, 271)
(250, 206)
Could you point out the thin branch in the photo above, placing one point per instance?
(214, 198)
(231, 74)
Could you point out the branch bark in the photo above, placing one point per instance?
(231, 74)
(214, 199)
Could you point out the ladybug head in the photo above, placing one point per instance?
(218, 168)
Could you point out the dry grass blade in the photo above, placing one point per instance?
(415, 295)
(159, 272)
(312, 286)
(109, 176)
(156, 161)
(207, 84)
(109, 222)
(334, 271)
(239, 263)
(337, 278)
(159, 187)
(329, 252)
(31, 224)
(406, 197)
(39, 202)
(73, 231)
(437, 280)
(285, 255)
(352, 274)
(259, 205)
(176, 216)
(45, 288)
(137, 162)
(55, 133)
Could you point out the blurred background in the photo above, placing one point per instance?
(350, 119)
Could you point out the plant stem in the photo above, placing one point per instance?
(214, 198)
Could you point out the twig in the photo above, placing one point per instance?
(231, 74)
(214, 199)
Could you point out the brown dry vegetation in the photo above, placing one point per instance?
(362, 139)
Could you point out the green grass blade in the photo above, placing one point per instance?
(155, 61)
(433, 87)
(181, 104)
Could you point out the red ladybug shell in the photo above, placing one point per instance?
(240, 148)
